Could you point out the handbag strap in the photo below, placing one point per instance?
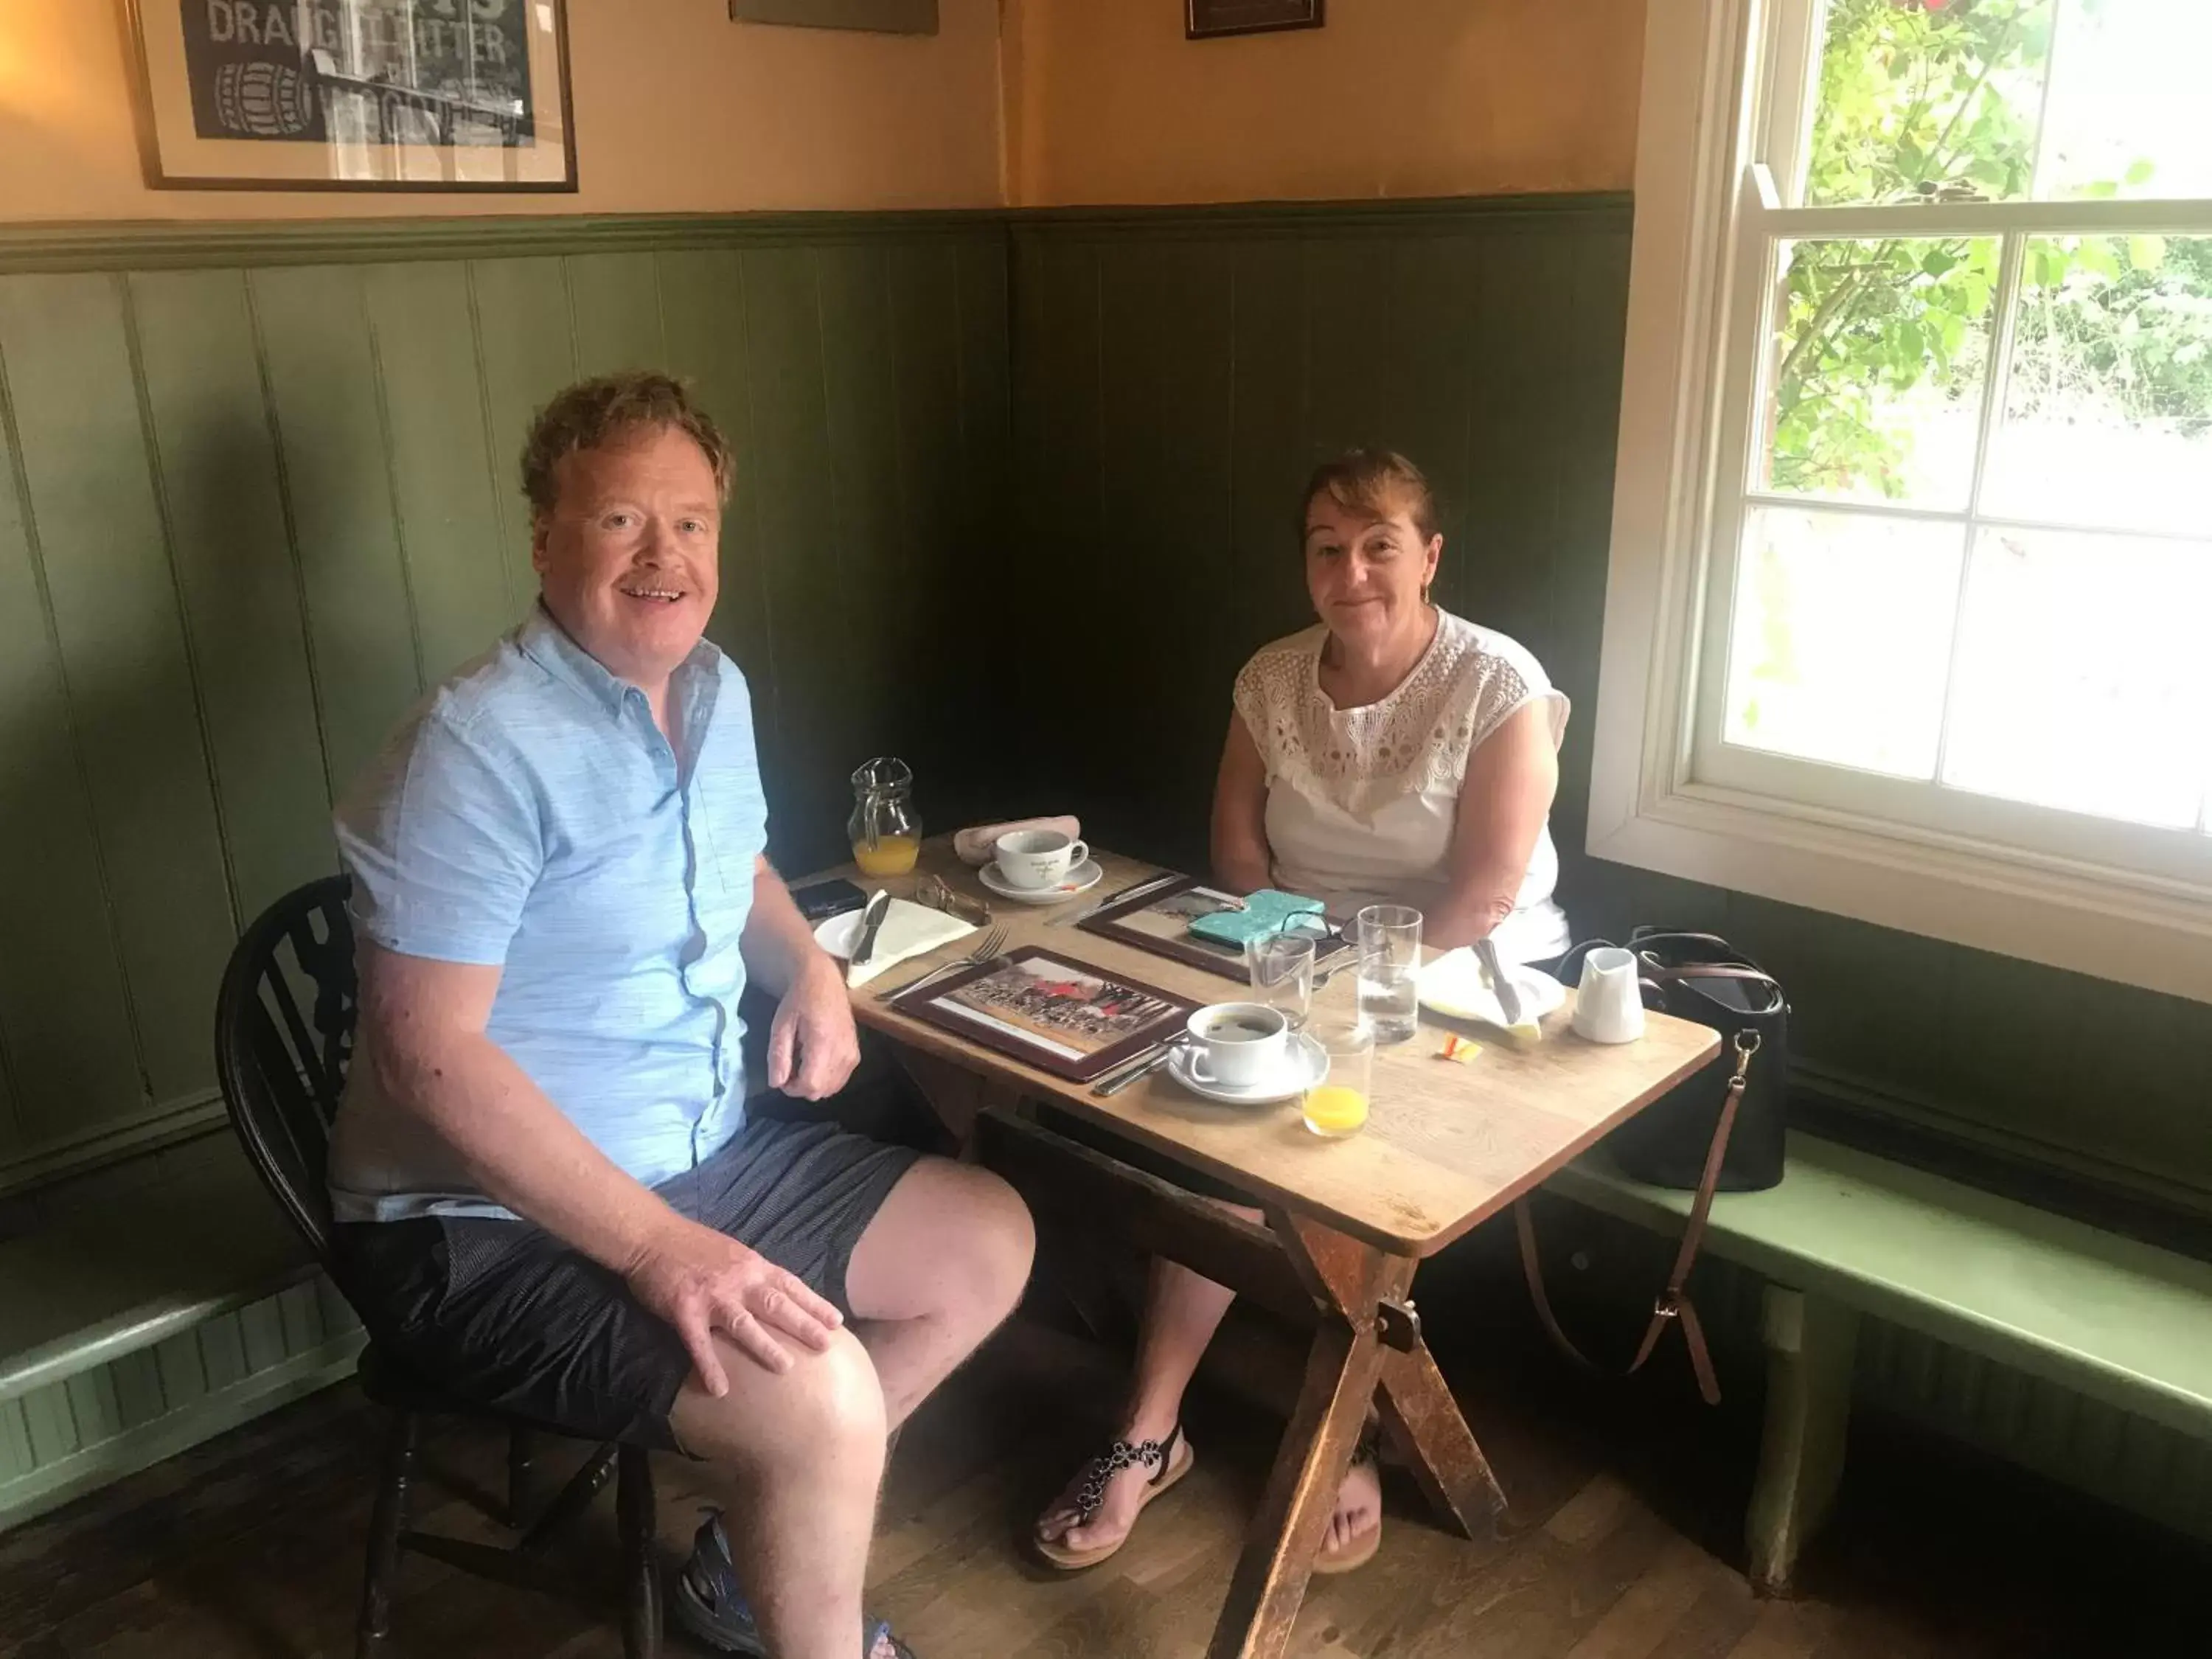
(1712, 946)
(1673, 1304)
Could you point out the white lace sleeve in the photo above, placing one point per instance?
(1251, 706)
(1505, 679)
(1267, 698)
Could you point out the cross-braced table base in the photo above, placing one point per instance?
(1366, 1349)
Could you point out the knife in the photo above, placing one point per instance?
(871, 923)
(1121, 1080)
(1508, 998)
(1130, 892)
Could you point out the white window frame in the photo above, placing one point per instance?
(2022, 881)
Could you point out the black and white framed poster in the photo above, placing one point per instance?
(356, 95)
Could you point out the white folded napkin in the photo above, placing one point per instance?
(908, 930)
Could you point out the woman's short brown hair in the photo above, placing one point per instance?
(1376, 482)
(594, 412)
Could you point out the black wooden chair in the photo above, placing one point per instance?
(281, 1071)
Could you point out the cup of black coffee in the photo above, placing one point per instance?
(1236, 1044)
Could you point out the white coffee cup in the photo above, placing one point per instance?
(1237, 1044)
(1609, 1002)
(1037, 858)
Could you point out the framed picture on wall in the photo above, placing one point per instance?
(880, 16)
(1205, 19)
(355, 94)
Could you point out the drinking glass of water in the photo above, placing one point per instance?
(1389, 939)
(1282, 967)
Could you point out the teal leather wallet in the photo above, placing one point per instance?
(1265, 912)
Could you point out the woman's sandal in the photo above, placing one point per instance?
(1172, 1456)
(1359, 1549)
(711, 1604)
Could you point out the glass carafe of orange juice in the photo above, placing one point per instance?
(885, 829)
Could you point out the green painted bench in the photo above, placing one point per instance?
(134, 1327)
(1848, 1234)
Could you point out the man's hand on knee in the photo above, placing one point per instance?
(701, 1281)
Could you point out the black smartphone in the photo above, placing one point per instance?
(819, 900)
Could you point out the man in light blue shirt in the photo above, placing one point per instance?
(550, 1198)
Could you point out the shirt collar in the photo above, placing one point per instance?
(546, 643)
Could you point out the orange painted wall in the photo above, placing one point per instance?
(1108, 103)
(678, 109)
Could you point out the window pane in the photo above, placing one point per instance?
(1928, 100)
(2082, 678)
(1877, 368)
(1842, 638)
(2128, 86)
(2108, 411)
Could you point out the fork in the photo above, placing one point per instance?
(993, 944)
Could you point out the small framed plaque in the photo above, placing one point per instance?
(877, 16)
(1206, 18)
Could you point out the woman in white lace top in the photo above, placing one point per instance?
(1392, 753)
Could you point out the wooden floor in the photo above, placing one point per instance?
(251, 1546)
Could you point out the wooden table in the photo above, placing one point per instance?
(1348, 1221)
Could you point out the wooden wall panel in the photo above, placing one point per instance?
(865, 511)
(319, 362)
(1271, 453)
(614, 313)
(67, 1032)
(243, 605)
(443, 482)
(525, 353)
(703, 311)
(133, 702)
(804, 567)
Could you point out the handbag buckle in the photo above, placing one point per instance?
(1667, 1305)
(1746, 1044)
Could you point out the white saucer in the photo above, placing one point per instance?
(1080, 879)
(1307, 1066)
(1452, 985)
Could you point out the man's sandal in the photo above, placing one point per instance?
(1359, 1549)
(710, 1603)
(1172, 1457)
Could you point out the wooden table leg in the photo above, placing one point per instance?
(1342, 1369)
(1423, 1421)
(957, 1095)
(1431, 1435)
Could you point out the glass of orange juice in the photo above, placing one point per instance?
(1336, 1102)
(885, 830)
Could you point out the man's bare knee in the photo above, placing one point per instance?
(952, 1241)
(1001, 1247)
(825, 1413)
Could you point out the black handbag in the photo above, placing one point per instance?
(1719, 1130)
(1701, 977)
